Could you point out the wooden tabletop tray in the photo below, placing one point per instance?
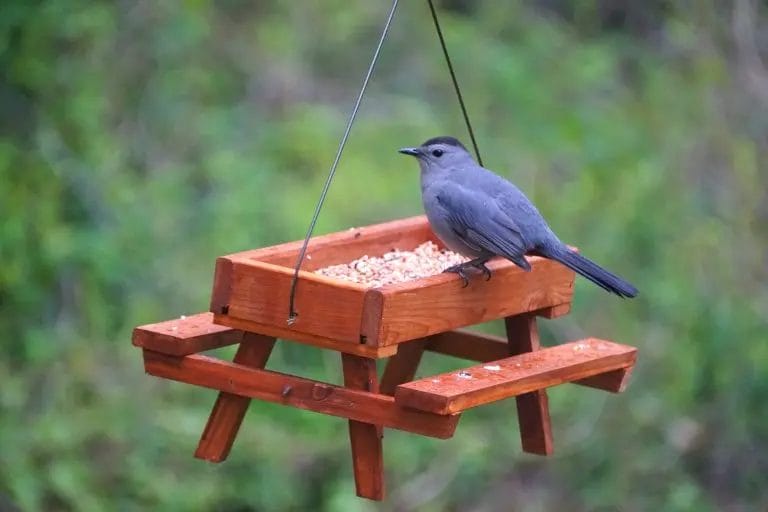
(251, 292)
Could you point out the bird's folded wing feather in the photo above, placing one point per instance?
(481, 223)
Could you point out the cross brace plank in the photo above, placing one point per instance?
(298, 392)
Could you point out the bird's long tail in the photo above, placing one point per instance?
(591, 270)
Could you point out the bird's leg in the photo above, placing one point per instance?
(479, 263)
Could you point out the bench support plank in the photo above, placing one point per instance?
(298, 392)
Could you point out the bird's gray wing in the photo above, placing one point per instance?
(477, 219)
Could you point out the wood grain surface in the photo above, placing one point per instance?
(298, 392)
(459, 390)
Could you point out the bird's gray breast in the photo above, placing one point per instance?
(440, 222)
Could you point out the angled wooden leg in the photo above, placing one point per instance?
(229, 410)
(402, 366)
(365, 438)
(532, 408)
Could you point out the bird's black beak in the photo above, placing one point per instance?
(410, 151)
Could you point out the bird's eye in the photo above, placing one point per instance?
(437, 152)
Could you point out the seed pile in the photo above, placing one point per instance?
(395, 266)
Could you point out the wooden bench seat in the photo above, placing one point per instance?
(456, 391)
(186, 335)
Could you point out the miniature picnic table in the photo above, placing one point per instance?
(399, 322)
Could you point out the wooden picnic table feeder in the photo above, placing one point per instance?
(398, 322)
(249, 308)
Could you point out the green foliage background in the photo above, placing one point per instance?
(140, 140)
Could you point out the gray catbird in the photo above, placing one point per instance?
(481, 215)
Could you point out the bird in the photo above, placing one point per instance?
(480, 215)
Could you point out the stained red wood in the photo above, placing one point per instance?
(350, 244)
(532, 408)
(466, 344)
(287, 334)
(297, 392)
(402, 366)
(615, 381)
(365, 438)
(229, 410)
(475, 346)
(419, 308)
(222, 286)
(373, 309)
(253, 286)
(555, 311)
(459, 390)
(535, 423)
(260, 292)
(183, 336)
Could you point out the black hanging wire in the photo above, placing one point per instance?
(292, 315)
(303, 252)
(455, 81)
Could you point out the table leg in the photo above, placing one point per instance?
(532, 408)
(402, 366)
(229, 410)
(365, 438)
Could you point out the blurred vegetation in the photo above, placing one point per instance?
(140, 140)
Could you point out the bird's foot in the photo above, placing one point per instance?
(461, 270)
(486, 271)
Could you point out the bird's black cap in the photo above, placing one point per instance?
(444, 139)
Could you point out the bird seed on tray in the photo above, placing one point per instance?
(395, 266)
